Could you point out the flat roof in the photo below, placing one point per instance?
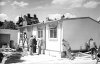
(47, 22)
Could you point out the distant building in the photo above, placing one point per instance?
(6, 35)
(74, 30)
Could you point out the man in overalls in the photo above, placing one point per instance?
(67, 48)
(92, 49)
(31, 45)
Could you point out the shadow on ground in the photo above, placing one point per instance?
(10, 61)
(15, 58)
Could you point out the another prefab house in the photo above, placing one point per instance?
(77, 31)
(6, 35)
(26, 32)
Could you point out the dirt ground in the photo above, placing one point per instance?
(46, 59)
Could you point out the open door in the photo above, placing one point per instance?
(4, 39)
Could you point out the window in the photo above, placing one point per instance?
(53, 32)
(40, 33)
(21, 35)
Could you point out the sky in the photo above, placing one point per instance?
(12, 9)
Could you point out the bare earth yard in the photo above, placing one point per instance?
(46, 59)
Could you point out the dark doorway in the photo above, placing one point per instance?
(4, 39)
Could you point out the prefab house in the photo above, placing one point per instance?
(77, 31)
(6, 35)
(37, 30)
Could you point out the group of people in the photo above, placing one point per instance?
(92, 47)
(33, 44)
(95, 52)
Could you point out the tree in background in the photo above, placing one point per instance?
(11, 25)
(1, 23)
(8, 25)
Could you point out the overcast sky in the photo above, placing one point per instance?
(12, 9)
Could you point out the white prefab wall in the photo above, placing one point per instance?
(34, 31)
(13, 34)
(53, 44)
(78, 31)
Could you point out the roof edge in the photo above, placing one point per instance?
(61, 20)
(81, 18)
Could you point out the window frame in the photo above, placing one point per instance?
(41, 33)
(53, 29)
